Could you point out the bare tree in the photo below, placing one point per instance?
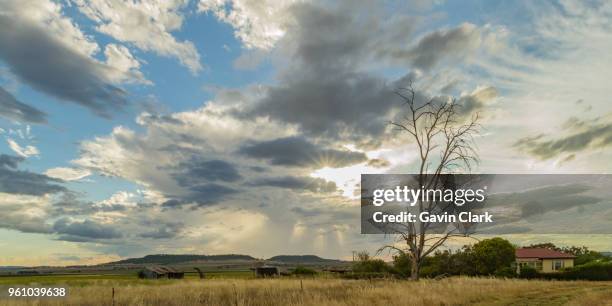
(445, 141)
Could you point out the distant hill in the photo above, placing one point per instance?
(609, 254)
(11, 267)
(166, 259)
(301, 259)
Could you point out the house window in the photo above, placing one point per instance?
(558, 265)
(533, 264)
(538, 265)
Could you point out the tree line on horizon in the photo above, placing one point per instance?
(493, 257)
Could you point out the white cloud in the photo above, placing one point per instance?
(68, 174)
(258, 24)
(26, 151)
(146, 25)
(126, 67)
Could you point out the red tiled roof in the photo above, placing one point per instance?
(541, 253)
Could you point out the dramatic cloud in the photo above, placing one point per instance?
(201, 195)
(440, 45)
(146, 25)
(37, 57)
(580, 136)
(316, 185)
(538, 201)
(197, 171)
(327, 89)
(86, 229)
(298, 151)
(334, 104)
(24, 182)
(274, 165)
(163, 231)
(476, 101)
(13, 109)
(24, 213)
(8, 161)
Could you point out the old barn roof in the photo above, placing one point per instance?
(541, 253)
(162, 270)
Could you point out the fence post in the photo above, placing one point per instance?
(113, 296)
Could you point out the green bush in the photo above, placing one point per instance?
(505, 272)
(367, 264)
(594, 271)
(303, 271)
(402, 264)
(491, 255)
(366, 275)
(598, 271)
(529, 273)
(372, 266)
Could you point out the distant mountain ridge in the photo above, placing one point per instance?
(168, 259)
(165, 259)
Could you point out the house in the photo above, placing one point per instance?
(160, 272)
(543, 260)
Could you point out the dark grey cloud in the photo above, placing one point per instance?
(72, 238)
(69, 203)
(201, 180)
(86, 229)
(164, 230)
(17, 181)
(48, 65)
(539, 201)
(317, 185)
(335, 213)
(13, 218)
(197, 171)
(298, 151)
(9, 161)
(332, 37)
(201, 195)
(581, 136)
(72, 204)
(155, 118)
(334, 104)
(325, 90)
(13, 109)
(475, 102)
(439, 45)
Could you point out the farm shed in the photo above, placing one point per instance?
(265, 271)
(28, 272)
(160, 272)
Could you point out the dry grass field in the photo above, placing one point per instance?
(452, 291)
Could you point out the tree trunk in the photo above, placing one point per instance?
(414, 271)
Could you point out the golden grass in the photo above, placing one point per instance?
(320, 291)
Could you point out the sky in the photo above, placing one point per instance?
(236, 126)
